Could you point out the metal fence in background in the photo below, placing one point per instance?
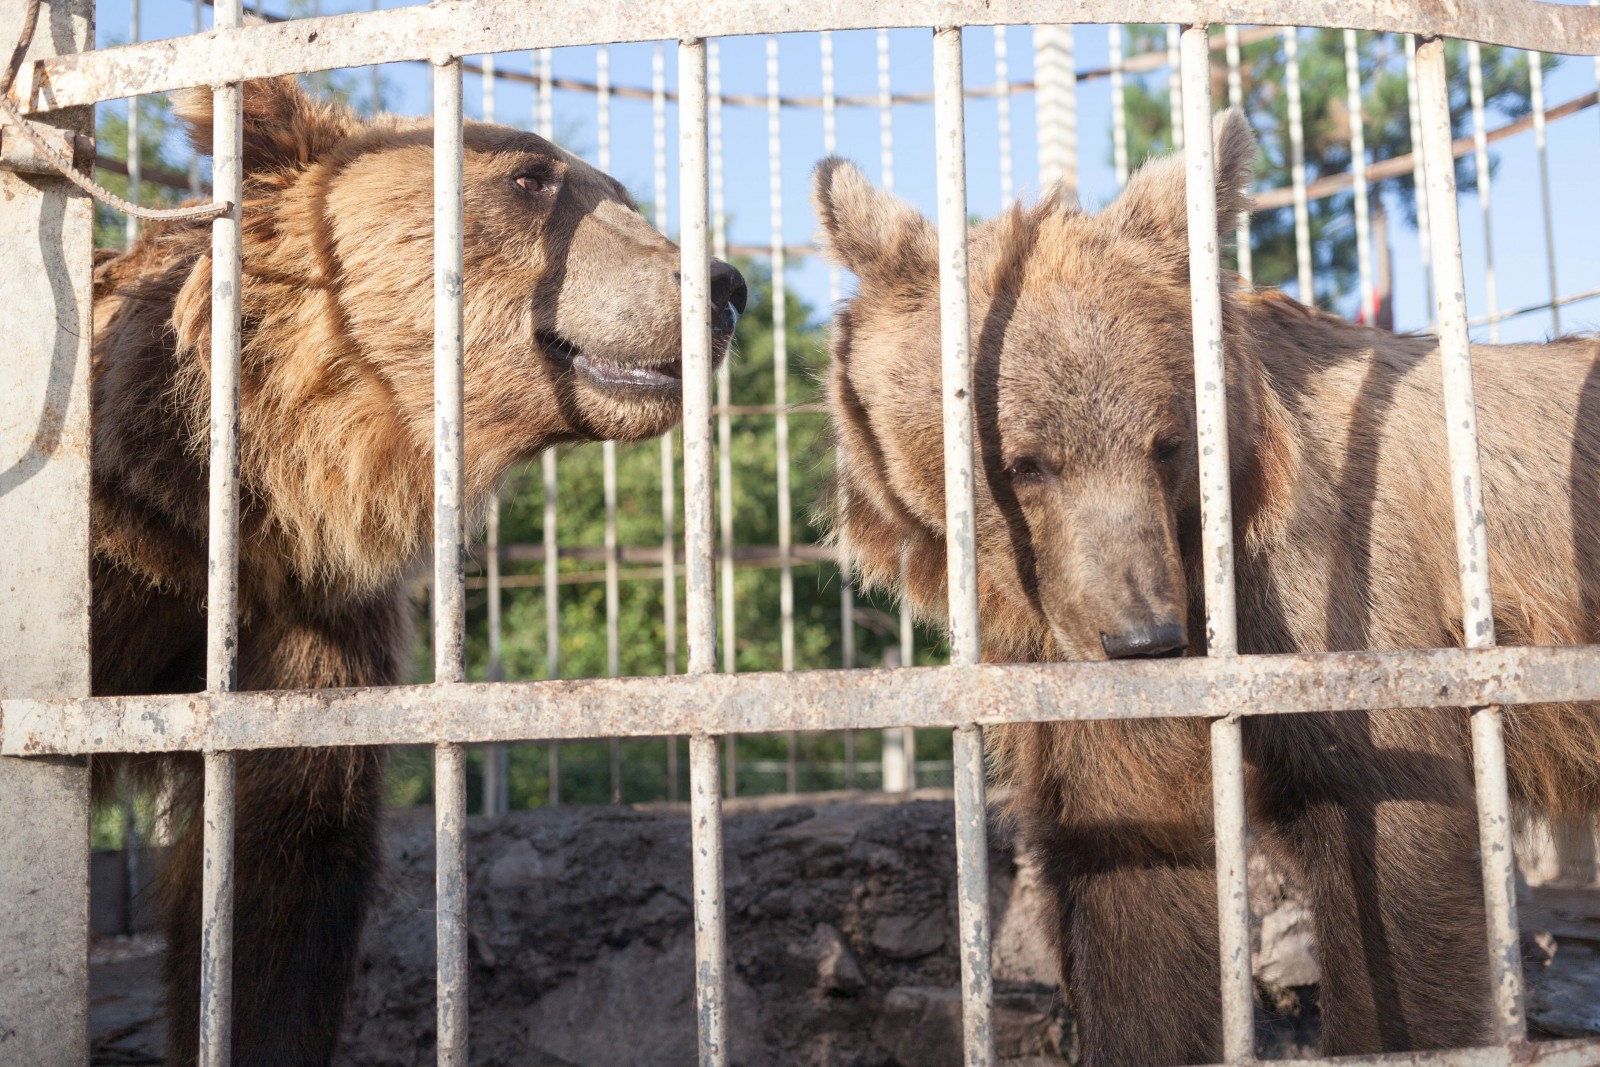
(49, 714)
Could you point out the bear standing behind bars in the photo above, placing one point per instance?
(1088, 541)
(572, 333)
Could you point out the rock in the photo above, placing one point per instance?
(837, 970)
(908, 937)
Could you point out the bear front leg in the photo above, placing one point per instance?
(1375, 812)
(305, 860)
(1136, 931)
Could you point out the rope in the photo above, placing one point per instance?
(60, 162)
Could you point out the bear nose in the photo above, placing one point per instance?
(727, 286)
(1149, 638)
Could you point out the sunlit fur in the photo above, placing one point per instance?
(336, 473)
(1343, 540)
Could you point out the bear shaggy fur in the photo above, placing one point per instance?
(572, 333)
(1089, 548)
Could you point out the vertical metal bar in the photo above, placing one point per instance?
(780, 394)
(222, 587)
(496, 800)
(1358, 174)
(669, 506)
(552, 595)
(719, 238)
(375, 86)
(46, 242)
(847, 596)
(196, 24)
(972, 850)
(1236, 99)
(608, 450)
(885, 112)
(1418, 176)
(1174, 86)
(1297, 169)
(487, 79)
(1536, 94)
(544, 125)
(1211, 411)
(544, 119)
(1472, 544)
(1119, 106)
(135, 164)
(1056, 92)
(1002, 110)
(449, 538)
(705, 791)
(1480, 158)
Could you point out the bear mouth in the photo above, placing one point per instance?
(617, 375)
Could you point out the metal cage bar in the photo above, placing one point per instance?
(1236, 99)
(719, 241)
(1536, 104)
(705, 789)
(1211, 413)
(1358, 178)
(449, 558)
(1482, 178)
(1119, 104)
(1419, 178)
(669, 504)
(955, 343)
(1472, 545)
(222, 585)
(1297, 168)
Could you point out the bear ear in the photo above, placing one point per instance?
(283, 127)
(1154, 205)
(868, 231)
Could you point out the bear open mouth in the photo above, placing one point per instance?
(615, 374)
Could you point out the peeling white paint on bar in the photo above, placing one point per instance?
(1472, 541)
(449, 557)
(1211, 423)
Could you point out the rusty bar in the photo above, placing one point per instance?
(222, 587)
(449, 537)
(955, 342)
(924, 697)
(216, 906)
(473, 26)
(1472, 546)
(705, 787)
(1227, 746)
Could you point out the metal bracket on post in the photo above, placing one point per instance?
(21, 154)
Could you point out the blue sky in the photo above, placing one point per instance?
(1574, 149)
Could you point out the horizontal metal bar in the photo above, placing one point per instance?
(526, 553)
(804, 700)
(1583, 1052)
(477, 26)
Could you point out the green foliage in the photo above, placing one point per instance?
(1327, 124)
(163, 151)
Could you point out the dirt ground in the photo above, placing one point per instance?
(842, 944)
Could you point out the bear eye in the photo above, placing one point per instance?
(1026, 469)
(1166, 449)
(534, 180)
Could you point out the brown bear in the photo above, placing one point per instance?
(1089, 549)
(572, 333)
